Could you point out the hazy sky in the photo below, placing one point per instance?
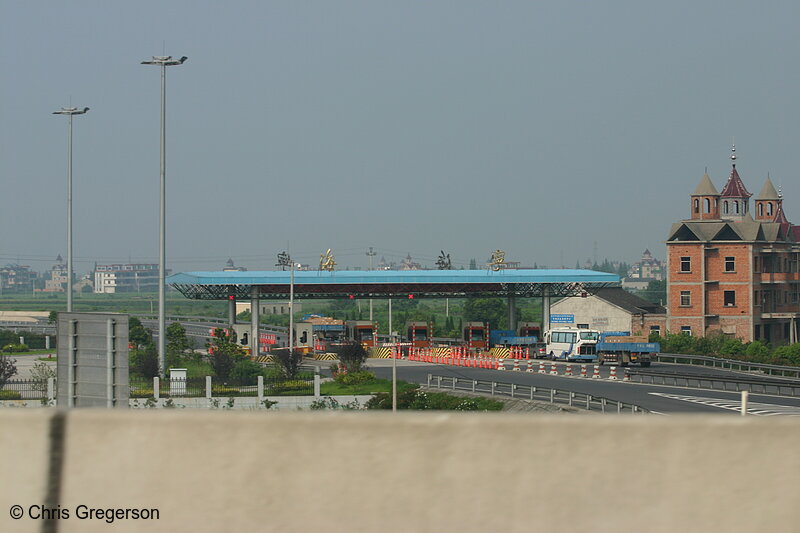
(536, 127)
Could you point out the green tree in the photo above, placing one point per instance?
(224, 353)
(177, 344)
(138, 335)
(491, 310)
(656, 292)
(144, 360)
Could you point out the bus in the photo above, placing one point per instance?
(572, 344)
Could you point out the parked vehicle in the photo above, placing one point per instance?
(622, 348)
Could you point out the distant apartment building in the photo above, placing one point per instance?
(17, 278)
(731, 273)
(120, 278)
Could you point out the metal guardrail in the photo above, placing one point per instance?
(704, 381)
(730, 364)
(530, 392)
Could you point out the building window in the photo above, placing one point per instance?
(756, 300)
(760, 210)
(686, 264)
(736, 207)
(730, 298)
(725, 207)
(769, 209)
(707, 205)
(697, 206)
(686, 330)
(730, 264)
(655, 329)
(583, 326)
(686, 298)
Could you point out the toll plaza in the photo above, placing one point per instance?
(389, 284)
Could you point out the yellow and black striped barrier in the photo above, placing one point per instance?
(325, 357)
(381, 352)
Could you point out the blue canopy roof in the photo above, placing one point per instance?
(390, 283)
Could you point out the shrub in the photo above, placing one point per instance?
(289, 386)
(355, 378)
(8, 369)
(352, 356)
(15, 348)
(10, 395)
(245, 371)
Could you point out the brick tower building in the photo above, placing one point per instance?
(732, 273)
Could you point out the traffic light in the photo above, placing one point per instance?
(231, 297)
(352, 296)
(410, 296)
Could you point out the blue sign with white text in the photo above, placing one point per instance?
(562, 319)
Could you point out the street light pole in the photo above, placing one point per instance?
(163, 62)
(371, 254)
(291, 310)
(69, 111)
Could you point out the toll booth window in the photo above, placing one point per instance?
(304, 337)
(420, 335)
(477, 334)
(244, 339)
(366, 335)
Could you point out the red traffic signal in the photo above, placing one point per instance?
(351, 296)
(231, 297)
(410, 296)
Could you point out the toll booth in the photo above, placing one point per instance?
(419, 334)
(476, 334)
(326, 331)
(530, 329)
(362, 331)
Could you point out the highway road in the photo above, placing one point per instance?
(657, 398)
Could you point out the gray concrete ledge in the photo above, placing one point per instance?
(374, 471)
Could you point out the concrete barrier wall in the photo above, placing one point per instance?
(264, 471)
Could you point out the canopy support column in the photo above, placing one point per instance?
(545, 309)
(512, 313)
(231, 307)
(254, 321)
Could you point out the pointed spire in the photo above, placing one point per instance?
(768, 191)
(734, 187)
(705, 187)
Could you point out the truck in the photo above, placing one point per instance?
(419, 334)
(526, 336)
(622, 348)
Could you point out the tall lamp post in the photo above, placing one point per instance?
(69, 111)
(285, 260)
(163, 62)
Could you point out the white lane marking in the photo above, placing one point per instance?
(753, 408)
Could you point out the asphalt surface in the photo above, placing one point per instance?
(656, 398)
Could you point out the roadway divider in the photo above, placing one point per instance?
(755, 385)
(530, 392)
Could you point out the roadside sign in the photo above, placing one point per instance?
(562, 319)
